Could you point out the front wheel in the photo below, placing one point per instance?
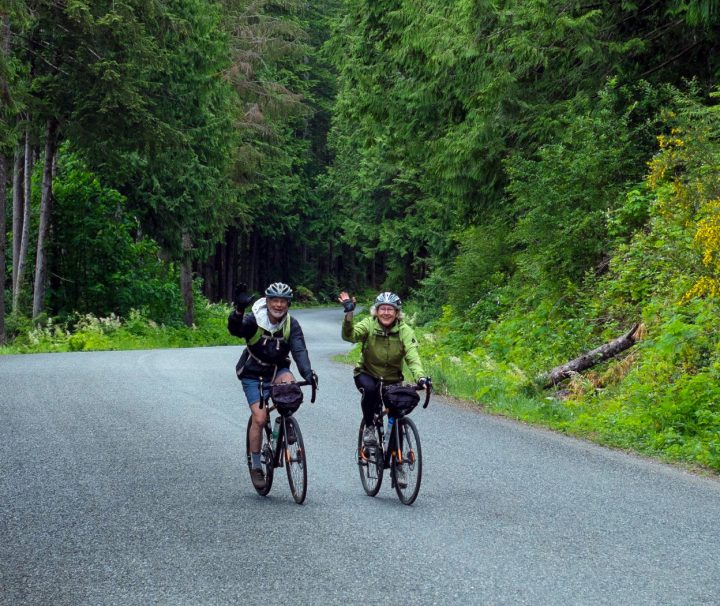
(295, 461)
(370, 463)
(406, 466)
(266, 456)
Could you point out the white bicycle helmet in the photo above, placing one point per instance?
(388, 298)
(279, 290)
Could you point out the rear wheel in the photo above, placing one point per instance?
(406, 466)
(266, 456)
(370, 463)
(295, 462)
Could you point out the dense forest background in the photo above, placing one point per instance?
(536, 177)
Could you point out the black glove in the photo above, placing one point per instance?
(348, 305)
(314, 379)
(424, 382)
(241, 297)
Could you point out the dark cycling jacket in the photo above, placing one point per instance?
(272, 352)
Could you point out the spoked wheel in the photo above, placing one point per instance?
(266, 456)
(406, 468)
(370, 463)
(295, 462)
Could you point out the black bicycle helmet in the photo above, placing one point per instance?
(279, 290)
(388, 298)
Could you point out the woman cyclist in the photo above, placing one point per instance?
(387, 340)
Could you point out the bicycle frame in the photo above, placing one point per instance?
(392, 448)
(278, 447)
(281, 451)
(388, 447)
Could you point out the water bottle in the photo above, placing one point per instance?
(388, 432)
(276, 432)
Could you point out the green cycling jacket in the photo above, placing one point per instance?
(383, 350)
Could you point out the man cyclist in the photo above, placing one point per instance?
(270, 335)
(387, 341)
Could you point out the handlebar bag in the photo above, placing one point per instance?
(287, 397)
(400, 400)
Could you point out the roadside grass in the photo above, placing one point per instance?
(91, 333)
(628, 415)
(112, 333)
(672, 421)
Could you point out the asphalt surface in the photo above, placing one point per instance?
(123, 481)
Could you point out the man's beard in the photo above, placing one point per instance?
(275, 318)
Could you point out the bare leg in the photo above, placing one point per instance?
(258, 422)
(260, 414)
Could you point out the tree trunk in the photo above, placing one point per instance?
(186, 289)
(251, 246)
(591, 358)
(25, 236)
(207, 270)
(230, 265)
(5, 96)
(3, 243)
(186, 281)
(41, 260)
(221, 261)
(17, 218)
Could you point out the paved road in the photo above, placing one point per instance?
(123, 481)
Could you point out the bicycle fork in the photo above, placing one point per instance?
(392, 444)
(282, 456)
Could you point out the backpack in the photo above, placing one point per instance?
(260, 332)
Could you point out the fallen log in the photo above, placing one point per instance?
(591, 358)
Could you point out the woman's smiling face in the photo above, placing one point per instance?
(386, 315)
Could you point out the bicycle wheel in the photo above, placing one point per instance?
(266, 456)
(406, 468)
(295, 462)
(370, 463)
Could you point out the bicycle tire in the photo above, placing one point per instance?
(370, 464)
(266, 456)
(410, 460)
(295, 461)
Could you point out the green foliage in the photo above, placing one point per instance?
(630, 215)
(661, 397)
(562, 199)
(433, 98)
(304, 295)
(98, 266)
(88, 332)
(698, 12)
(667, 403)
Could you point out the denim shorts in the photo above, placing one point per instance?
(251, 386)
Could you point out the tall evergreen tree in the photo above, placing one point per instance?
(5, 98)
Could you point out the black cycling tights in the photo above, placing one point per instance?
(370, 402)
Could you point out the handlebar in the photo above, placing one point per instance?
(428, 390)
(313, 383)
